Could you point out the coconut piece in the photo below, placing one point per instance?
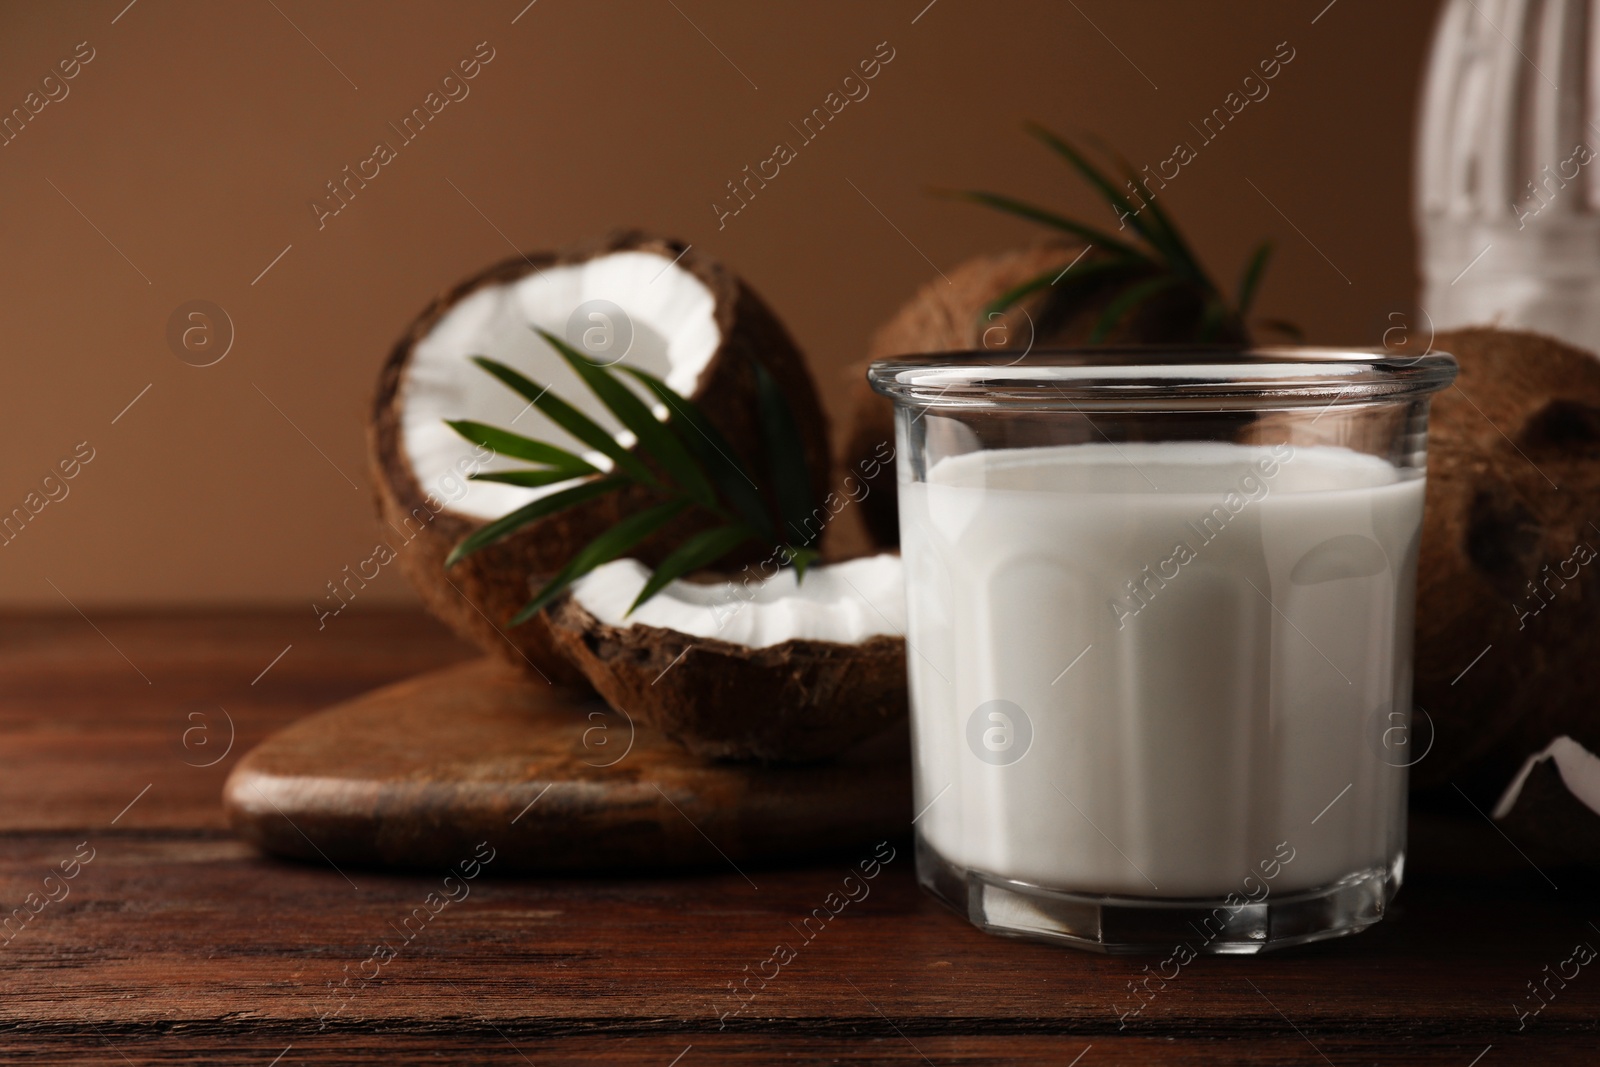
(683, 318)
(1508, 587)
(947, 315)
(941, 317)
(772, 670)
(1552, 807)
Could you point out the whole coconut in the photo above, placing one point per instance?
(1508, 583)
(949, 314)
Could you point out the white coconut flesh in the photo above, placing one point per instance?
(846, 603)
(1579, 769)
(674, 336)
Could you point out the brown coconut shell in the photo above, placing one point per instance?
(477, 596)
(794, 702)
(1513, 489)
(948, 316)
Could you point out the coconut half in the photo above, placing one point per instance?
(772, 670)
(630, 298)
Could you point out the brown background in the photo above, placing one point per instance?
(199, 133)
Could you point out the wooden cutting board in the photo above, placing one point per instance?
(418, 773)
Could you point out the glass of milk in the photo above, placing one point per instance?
(1159, 638)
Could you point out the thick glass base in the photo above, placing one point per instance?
(1128, 925)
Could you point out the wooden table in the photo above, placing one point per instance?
(177, 944)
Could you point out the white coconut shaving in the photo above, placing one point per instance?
(842, 602)
(670, 314)
(1579, 769)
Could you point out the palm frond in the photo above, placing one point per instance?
(1158, 260)
(701, 475)
(1127, 301)
(1013, 206)
(620, 538)
(1251, 280)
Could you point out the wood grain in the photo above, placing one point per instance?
(179, 944)
(417, 773)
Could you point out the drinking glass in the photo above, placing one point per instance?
(1159, 637)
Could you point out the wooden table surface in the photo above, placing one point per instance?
(175, 943)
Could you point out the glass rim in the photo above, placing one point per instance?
(1160, 377)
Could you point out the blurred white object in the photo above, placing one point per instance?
(1507, 157)
(1579, 769)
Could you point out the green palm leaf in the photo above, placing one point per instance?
(1085, 277)
(1288, 329)
(1250, 281)
(700, 466)
(800, 559)
(506, 443)
(528, 479)
(701, 550)
(1119, 203)
(1126, 301)
(571, 420)
(654, 437)
(507, 525)
(1212, 320)
(1159, 218)
(1016, 207)
(786, 461)
(603, 549)
(714, 452)
(1017, 293)
(1159, 249)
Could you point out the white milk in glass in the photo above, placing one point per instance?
(1205, 642)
